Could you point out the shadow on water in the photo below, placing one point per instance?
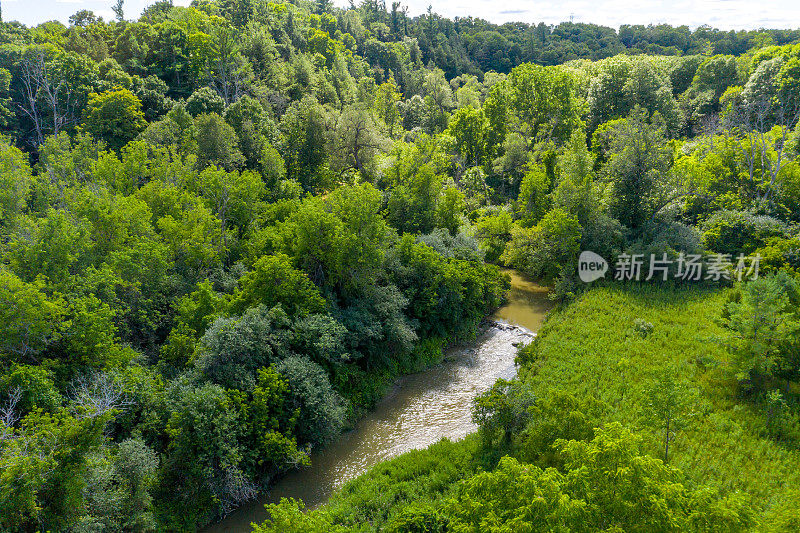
(420, 409)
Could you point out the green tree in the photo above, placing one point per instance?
(90, 334)
(534, 196)
(217, 143)
(234, 196)
(438, 100)
(252, 126)
(205, 101)
(36, 388)
(30, 320)
(201, 307)
(512, 165)
(339, 241)
(607, 96)
(289, 515)
(233, 349)
(502, 409)
(43, 469)
(468, 128)
(273, 281)
(763, 329)
(118, 488)
(15, 182)
(321, 409)
(576, 192)
(268, 442)
(355, 142)
(387, 97)
(114, 116)
(547, 249)
(638, 171)
(715, 75)
(449, 210)
(201, 474)
(273, 169)
(650, 89)
(303, 147)
(494, 231)
(412, 204)
(545, 101)
(668, 406)
(639, 493)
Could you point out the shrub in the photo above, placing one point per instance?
(739, 232)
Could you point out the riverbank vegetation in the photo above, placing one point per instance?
(226, 228)
(629, 411)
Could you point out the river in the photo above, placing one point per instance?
(419, 410)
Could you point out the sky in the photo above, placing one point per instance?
(723, 14)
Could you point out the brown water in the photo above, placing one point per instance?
(419, 411)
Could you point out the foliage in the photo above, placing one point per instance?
(233, 349)
(226, 228)
(115, 117)
(638, 493)
(638, 170)
(274, 281)
(763, 329)
(30, 319)
(544, 250)
(217, 143)
(734, 233)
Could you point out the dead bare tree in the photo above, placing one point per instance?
(709, 127)
(8, 413)
(97, 394)
(40, 87)
(763, 152)
(226, 73)
(232, 488)
(31, 79)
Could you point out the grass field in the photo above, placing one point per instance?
(594, 348)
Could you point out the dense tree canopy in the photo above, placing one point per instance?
(226, 228)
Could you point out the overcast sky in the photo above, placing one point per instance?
(724, 14)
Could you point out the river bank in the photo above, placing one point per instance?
(419, 410)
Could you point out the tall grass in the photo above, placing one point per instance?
(603, 346)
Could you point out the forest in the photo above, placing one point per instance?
(226, 229)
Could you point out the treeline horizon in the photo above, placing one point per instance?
(488, 46)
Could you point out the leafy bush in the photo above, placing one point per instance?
(232, 349)
(321, 409)
(547, 249)
(739, 232)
